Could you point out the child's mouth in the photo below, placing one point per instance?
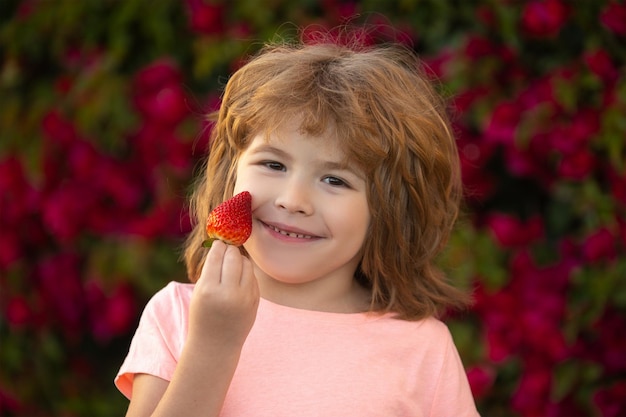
(289, 233)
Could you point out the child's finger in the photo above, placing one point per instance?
(247, 274)
(212, 268)
(231, 266)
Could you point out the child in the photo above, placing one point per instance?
(330, 307)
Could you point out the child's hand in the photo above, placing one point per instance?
(225, 298)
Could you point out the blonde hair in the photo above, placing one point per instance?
(390, 122)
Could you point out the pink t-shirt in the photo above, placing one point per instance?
(307, 363)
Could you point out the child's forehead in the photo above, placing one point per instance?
(329, 141)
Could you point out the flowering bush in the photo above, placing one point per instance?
(101, 128)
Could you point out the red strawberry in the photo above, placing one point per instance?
(231, 221)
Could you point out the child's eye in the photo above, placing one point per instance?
(336, 182)
(273, 165)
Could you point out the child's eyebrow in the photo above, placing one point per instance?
(270, 149)
(342, 166)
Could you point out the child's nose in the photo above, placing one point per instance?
(295, 197)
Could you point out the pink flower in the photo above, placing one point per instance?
(540, 91)
(9, 403)
(13, 209)
(621, 224)
(617, 183)
(158, 146)
(543, 18)
(18, 312)
(510, 231)
(339, 11)
(525, 317)
(486, 15)
(503, 124)
(601, 64)
(541, 327)
(531, 161)
(478, 47)
(61, 290)
(609, 344)
(206, 18)
(111, 313)
(501, 343)
(532, 395)
(19, 212)
(158, 93)
(57, 128)
(610, 400)
(613, 17)
(466, 99)
(82, 160)
(481, 379)
(498, 311)
(64, 210)
(167, 218)
(600, 245)
(120, 184)
(10, 248)
(474, 155)
(577, 165)
(574, 134)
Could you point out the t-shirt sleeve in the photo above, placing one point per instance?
(157, 342)
(453, 396)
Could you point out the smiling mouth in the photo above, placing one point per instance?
(290, 234)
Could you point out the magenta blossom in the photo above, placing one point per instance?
(531, 161)
(525, 316)
(111, 313)
(617, 183)
(10, 248)
(510, 231)
(577, 165)
(601, 64)
(543, 18)
(607, 344)
(504, 123)
(481, 379)
(576, 132)
(610, 400)
(497, 311)
(166, 219)
(478, 47)
(18, 312)
(338, 10)
(157, 146)
(206, 18)
(9, 403)
(64, 210)
(538, 92)
(532, 395)
(613, 17)
(61, 291)
(600, 245)
(158, 93)
(474, 154)
(57, 128)
(19, 202)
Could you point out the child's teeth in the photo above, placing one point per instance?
(282, 232)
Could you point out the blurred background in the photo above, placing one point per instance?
(102, 106)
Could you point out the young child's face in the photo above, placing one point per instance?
(310, 213)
